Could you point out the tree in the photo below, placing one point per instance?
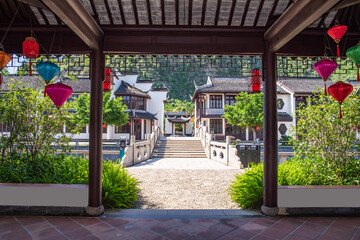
(34, 123)
(248, 111)
(175, 105)
(113, 110)
(326, 144)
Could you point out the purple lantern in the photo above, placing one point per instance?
(58, 93)
(325, 68)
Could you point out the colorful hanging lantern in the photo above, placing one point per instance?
(58, 93)
(325, 68)
(255, 80)
(4, 59)
(47, 70)
(107, 81)
(104, 125)
(354, 54)
(30, 50)
(337, 32)
(340, 91)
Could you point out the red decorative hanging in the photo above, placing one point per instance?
(30, 50)
(337, 32)
(325, 68)
(4, 59)
(340, 91)
(107, 81)
(255, 80)
(58, 93)
(104, 125)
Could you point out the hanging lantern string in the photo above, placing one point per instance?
(7, 30)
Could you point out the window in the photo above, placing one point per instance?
(216, 126)
(138, 103)
(123, 129)
(215, 101)
(4, 127)
(230, 100)
(126, 100)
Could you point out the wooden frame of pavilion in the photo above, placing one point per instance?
(84, 31)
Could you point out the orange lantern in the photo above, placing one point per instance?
(4, 59)
(30, 50)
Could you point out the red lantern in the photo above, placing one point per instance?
(107, 81)
(139, 120)
(325, 68)
(336, 32)
(255, 80)
(4, 59)
(257, 127)
(104, 125)
(30, 50)
(340, 91)
(58, 93)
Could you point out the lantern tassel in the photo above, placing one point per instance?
(30, 72)
(340, 112)
(325, 92)
(0, 79)
(358, 78)
(338, 51)
(44, 92)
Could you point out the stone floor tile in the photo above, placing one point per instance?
(253, 227)
(241, 234)
(293, 221)
(314, 227)
(263, 237)
(274, 233)
(176, 235)
(116, 222)
(283, 227)
(192, 229)
(147, 222)
(224, 228)
(336, 232)
(9, 225)
(57, 221)
(29, 220)
(309, 233)
(56, 237)
(143, 234)
(99, 227)
(78, 234)
(265, 222)
(17, 234)
(227, 237)
(160, 229)
(69, 227)
(114, 234)
(330, 237)
(7, 219)
(88, 221)
(297, 237)
(237, 222)
(211, 234)
(322, 220)
(46, 233)
(38, 226)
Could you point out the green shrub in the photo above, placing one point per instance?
(119, 189)
(247, 188)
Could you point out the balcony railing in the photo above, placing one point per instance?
(211, 111)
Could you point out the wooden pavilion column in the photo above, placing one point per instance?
(270, 206)
(97, 65)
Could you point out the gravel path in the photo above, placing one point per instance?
(184, 184)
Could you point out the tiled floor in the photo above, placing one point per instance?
(256, 228)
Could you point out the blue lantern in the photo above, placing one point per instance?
(47, 70)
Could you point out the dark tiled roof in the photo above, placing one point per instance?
(140, 114)
(80, 86)
(307, 85)
(284, 117)
(176, 114)
(144, 81)
(127, 89)
(227, 85)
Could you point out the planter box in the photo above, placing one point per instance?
(44, 195)
(319, 196)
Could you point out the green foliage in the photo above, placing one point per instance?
(35, 124)
(119, 189)
(248, 111)
(175, 105)
(113, 110)
(247, 188)
(327, 144)
(285, 140)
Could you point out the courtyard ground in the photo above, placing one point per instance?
(184, 183)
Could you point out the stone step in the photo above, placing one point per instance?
(179, 155)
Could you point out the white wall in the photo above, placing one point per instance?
(156, 105)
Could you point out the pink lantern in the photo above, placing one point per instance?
(325, 68)
(340, 91)
(58, 93)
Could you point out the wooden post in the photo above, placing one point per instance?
(95, 206)
(269, 206)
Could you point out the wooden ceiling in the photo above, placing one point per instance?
(248, 19)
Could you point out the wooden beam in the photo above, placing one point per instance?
(344, 4)
(294, 20)
(35, 3)
(75, 16)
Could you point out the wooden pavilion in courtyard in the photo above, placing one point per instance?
(266, 28)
